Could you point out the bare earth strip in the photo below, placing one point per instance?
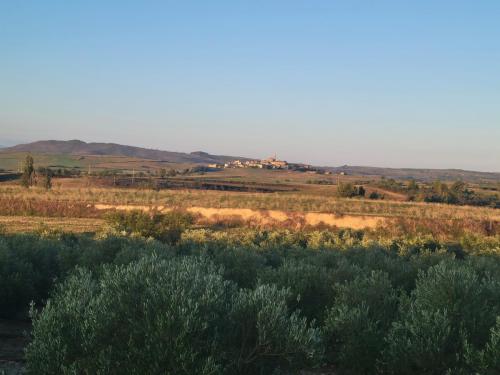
(261, 217)
(265, 217)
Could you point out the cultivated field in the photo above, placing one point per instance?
(72, 192)
(72, 199)
(298, 280)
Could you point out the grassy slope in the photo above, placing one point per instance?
(10, 161)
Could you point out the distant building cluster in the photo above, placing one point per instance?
(270, 163)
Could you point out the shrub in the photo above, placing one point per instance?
(27, 270)
(360, 318)
(311, 286)
(166, 227)
(167, 316)
(240, 265)
(346, 190)
(266, 336)
(448, 319)
(375, 195)
(487, 360)
(148, 317)
(232, 298)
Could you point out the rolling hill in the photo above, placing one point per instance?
(77, 147)
(60, 151)
(421, 174)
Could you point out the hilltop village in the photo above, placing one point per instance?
(270, 163)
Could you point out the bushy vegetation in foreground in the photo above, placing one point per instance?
(254, 302)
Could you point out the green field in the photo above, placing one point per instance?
(12, 161)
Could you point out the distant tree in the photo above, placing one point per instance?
(375, 195)
(346, 190)
(172, 172)
(28, 176)
(163, 172)
(361, 191)
(412, 185)
(438, 187)
(47, 179)
(458, 187)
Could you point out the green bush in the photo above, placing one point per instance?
(149, 317)
(26, 273)
(166, 227)
(447, 320)
(358, 322)
(167, 316)
(311, 286)
(255, 301)
(348, 190)
(487, 360)
(266, 336)
(30, 265)
(240, 265)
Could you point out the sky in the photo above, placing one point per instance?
(379, 83)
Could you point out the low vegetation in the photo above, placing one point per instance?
(457, 193)
(248, 301)
(163, 227)
(348, 190)
(60, 201)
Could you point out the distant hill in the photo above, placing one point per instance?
(76, 147)
(419, 173)
(80, 148)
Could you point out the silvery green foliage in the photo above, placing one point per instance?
(173, 316)
(448, 323)
(266, 336)
(356, 324)
(149, 317)
(311, 286)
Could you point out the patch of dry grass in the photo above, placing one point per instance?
(289, 202)
(26, 224)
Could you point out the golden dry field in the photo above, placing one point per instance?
(73, 205)
(284, 201)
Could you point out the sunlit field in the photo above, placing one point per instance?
(299, 202)
(301, 280)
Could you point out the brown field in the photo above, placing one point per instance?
(68, 195)
(73, 206)
(25, 224)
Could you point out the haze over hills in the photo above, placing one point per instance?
(77, 147)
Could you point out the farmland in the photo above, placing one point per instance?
(340, 274)
(250, 188)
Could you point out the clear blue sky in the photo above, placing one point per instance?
(386, 83)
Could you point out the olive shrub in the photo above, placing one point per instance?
(176, 316)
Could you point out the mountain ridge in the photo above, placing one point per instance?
(78, 147)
